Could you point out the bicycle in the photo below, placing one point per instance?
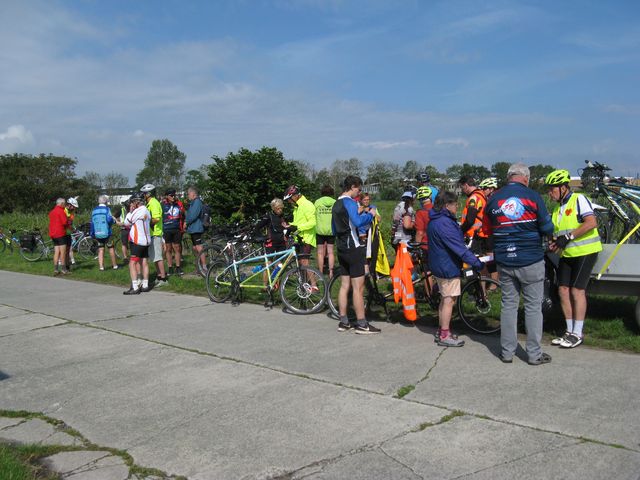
(478, 305)
(238, 244)
(9, 241)
(33, 247)
(302, 289)
(614, 222)
(87, 246)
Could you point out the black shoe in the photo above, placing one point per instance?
(132, 291)
(344, 327)
(146, 289)
(542, 359)
(171, 271)
(179, 271)
(367, 330)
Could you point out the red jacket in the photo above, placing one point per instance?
(58, 222)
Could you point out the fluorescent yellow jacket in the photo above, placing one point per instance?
(304, 218)
(564, 224)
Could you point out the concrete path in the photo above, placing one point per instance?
(213, 392)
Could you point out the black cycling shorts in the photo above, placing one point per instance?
(196, 239)
(352, 261)
(172, 236)
(140, 251)
(322, 239)
(575, 271)
(124, 237)
(102, 242)
(59, 241)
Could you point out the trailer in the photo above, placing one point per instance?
(617, 272)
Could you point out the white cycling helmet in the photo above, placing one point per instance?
(73, 202)
(149, 187)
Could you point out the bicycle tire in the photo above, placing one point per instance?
(114, 242)
(34, 254)
(303, 290)
(481, 312)
(88, 248)
(332, 298)
(220, 282)
(603, 227)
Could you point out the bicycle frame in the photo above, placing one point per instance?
(270, 260)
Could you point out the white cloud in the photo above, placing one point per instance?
(452, 142)
(381, 145)
(17, 133)
(138, 133)
(626, 109)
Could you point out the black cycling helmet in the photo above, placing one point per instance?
(424, 177)
(137, 197)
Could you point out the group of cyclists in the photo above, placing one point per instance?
(507, 222)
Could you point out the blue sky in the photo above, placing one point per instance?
(437, 82)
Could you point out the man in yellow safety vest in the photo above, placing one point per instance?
(576, 240)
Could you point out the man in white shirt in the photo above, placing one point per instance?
(139, 220)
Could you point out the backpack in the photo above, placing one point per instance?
(100, 225)
(205, 215)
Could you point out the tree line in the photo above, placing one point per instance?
(237, 186)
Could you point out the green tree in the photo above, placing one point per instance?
(32, 183)
(537, 175)
(197, 177)
(388, 175)
(410, 170)
(242, 184)
(113, 181)
(499, 170)
(164, 166)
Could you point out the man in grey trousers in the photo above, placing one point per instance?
(517, 218)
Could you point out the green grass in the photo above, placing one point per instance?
(14, 466)
(610, 322)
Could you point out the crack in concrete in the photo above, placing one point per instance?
(517, 459)
(87, 467)
(400, 463)
(435, 364)
(35, 329)
(143, 314)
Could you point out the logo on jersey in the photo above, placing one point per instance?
(512, 208)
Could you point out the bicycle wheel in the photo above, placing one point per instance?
(88, 248)
(35, 253)
(220, 282)
(603, 226)
(333, 290)
(303, 290)
(115, 243)
(479, 305)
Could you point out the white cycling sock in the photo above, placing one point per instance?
(577, 327)
(135, 284)
(569, 325)
(145, 283)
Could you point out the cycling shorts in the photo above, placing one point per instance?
(575, 271)
(124, 237)
(59, 241)
(102, 242)
(172, 236)
(196, 239)
(352, 261)
(322, 239)
(140, 251)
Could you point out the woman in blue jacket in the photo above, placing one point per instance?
(447, 252)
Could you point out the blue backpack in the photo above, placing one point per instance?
(100, 224)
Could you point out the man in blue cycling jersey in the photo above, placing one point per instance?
(345, 221)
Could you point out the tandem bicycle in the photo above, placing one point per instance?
(302, 288)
